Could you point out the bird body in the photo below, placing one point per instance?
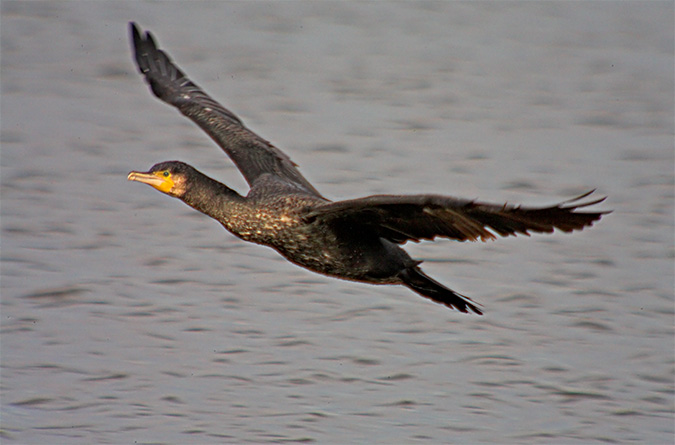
(276, 216)
(356, 239)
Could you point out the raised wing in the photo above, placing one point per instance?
(253, 155)
(418, 217)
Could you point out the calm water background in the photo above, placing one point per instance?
(129, 318)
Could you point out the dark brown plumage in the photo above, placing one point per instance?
(355, 239)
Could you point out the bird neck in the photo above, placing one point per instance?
(212, 198)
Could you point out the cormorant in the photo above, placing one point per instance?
(356, 239)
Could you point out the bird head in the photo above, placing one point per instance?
(168, 177)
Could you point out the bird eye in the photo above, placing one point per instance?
(166, 173)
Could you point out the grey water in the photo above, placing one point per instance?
(127, 317)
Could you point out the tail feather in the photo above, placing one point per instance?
(427, 287)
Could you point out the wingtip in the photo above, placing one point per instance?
(138, 37)
(135, 34)
(575, 204)
(580, 197)
(135, 31)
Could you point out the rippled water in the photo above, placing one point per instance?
(129, 318)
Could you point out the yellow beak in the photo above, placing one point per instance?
(156, 179)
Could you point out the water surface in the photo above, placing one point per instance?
(128, 317)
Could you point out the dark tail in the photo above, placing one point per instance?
(427, 287)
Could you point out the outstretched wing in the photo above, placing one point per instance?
(418, 217)
(253, 155)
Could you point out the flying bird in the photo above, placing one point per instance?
(357, 239)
